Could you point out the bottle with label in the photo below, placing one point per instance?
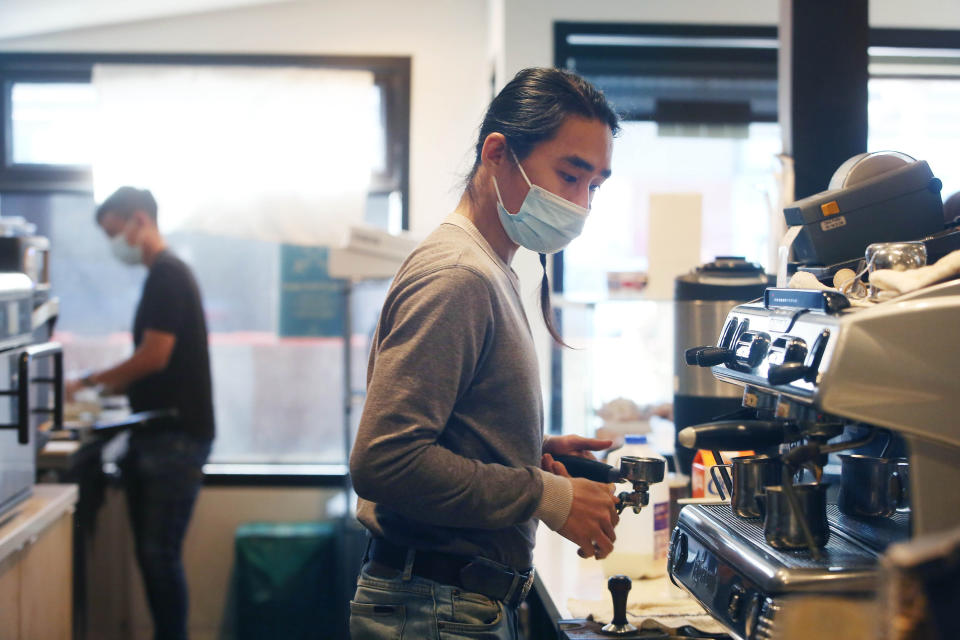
(640, 550)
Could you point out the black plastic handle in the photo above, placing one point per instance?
(590, 469)
(619, 587)
(22, 390)
(708, 356)
(786, 373)
(23, 397)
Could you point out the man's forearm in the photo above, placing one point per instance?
(116, 379)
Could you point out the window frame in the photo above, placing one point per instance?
(391, 73)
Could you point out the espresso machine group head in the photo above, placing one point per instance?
(640, 472)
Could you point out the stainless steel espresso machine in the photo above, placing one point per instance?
(823, 377)
(31, 366)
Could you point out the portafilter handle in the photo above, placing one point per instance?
(619, 587)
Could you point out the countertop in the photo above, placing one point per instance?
(25, 522)
(572, 587)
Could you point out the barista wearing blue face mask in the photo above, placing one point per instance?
(169, 372)
(450, 462)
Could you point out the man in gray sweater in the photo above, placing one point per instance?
(450, 461)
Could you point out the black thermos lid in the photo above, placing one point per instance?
(726, 278)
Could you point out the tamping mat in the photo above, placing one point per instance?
(589, 630)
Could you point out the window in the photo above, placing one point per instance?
(699, 108)
(700, 116)
(913, 90)
(52, 123)
(276, 319)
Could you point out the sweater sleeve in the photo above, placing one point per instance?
(431, 339)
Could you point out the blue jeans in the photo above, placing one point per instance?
(397, 605)
(162, 474)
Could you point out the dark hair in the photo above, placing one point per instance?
(125, 200)
(530, 110)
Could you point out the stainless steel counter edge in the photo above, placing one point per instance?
(25, 522)
(800, 580)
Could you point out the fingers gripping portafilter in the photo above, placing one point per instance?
(640, 472)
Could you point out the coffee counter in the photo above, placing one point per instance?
(36, 565)
(570, 588)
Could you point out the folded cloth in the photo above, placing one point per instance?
(806, 280)
(900, 282)
(654, 603)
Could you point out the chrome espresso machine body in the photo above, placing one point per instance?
(817, 369)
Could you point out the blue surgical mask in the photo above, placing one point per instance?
(124, 252)
(545, 223)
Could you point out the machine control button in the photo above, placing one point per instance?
(752, 348)
(786, 373)
(816, 356)
(735, 603)
(729, 330)
(753, 615)
(680, 548)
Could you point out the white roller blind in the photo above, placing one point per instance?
(277, 154)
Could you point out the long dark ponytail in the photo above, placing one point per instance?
(530, 110)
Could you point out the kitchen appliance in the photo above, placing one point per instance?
(833, 376)
(30, 393)
(28, 254)
(873, 197)
(703, 297)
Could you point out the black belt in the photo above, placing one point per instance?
(477, 575)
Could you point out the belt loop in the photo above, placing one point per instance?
(408, 564)
(512, 591)
(366, 553)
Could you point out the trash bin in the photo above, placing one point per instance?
(287, 581)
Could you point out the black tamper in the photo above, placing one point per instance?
(619, 588)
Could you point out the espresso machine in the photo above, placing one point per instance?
(824, 382)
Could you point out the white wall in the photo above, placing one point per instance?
(116, 605)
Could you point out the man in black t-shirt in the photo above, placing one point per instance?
(169, 371)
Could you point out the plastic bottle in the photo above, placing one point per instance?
(640, 550)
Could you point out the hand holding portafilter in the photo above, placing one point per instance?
(641, 472)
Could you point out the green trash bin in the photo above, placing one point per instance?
(287, 581)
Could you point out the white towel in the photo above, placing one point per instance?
(654, 599)
(900, 282)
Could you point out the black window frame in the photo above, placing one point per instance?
(391, 73)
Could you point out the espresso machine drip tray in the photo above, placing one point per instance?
(876, 533)
(725, 563)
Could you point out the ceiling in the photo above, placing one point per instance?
(21, 18)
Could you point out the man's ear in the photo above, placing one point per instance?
(494, 151)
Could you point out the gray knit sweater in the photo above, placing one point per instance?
(448, 450)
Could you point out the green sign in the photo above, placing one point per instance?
(311, 302)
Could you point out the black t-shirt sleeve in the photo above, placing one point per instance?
(164, 300)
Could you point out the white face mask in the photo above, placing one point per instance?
(124, 252)
(545, 223)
